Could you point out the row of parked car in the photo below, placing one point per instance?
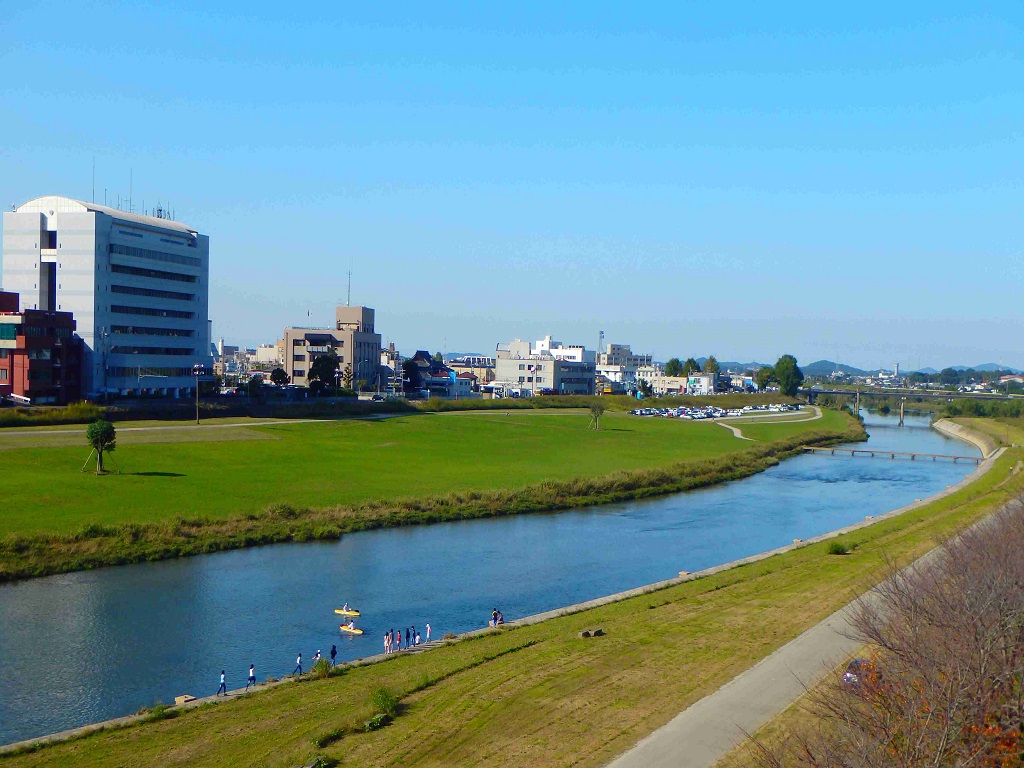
(712, 411)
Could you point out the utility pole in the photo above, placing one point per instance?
(197, 371)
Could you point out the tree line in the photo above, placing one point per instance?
(785, 373)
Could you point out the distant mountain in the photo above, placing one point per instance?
(828, 367)
(926, 371)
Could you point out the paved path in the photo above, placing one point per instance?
(739, 433)
(704, 733)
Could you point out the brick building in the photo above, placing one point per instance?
(40, 355)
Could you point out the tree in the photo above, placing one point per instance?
(765, 376)
(788, 374)
(596, 412)
(346, 377)
(690, 366)
(711, 365)
(254, 385)
(645, 388)
(324, 371)
(673, 367)
(102, 437)
(438, 357)
(279, 377)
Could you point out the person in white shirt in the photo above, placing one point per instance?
(251, 680)
(428, 632)
(223, 685)
(298, 664)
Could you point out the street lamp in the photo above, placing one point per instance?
(197, 371)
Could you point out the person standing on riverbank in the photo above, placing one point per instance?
(251, 680)
(428, 631)
(223, 685)
(334, 654)
(298, 664)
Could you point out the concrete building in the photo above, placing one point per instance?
(620, 367)
(40, 355)
(352, 338)
(547, 368)
(138, 287)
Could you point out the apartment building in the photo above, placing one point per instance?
(138, 287)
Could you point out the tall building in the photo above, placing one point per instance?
(138, 287)
(352, 338)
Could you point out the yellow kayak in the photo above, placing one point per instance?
(350, 630)
(347, 612)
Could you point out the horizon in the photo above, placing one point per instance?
(694, 181)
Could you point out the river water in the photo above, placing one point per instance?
(83, 647)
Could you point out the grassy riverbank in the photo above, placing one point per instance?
(539, 695)
(218, 488)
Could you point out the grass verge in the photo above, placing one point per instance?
(97, 544)
(539, 695)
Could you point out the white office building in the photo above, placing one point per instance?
(138, 287)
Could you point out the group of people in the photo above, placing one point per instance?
(250, 679)
(496, 618)
(393, 639)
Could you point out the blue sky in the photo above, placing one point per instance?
(691, 178)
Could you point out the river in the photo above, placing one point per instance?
(89, 646)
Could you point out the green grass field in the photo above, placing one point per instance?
(538, 695)
(219, 472)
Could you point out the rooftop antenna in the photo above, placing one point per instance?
(94, 178)
(131, 186)
(348, 300)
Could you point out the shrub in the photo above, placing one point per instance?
(321, 669)
(384, 701)
(837, 547)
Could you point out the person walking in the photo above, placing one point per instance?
(251, 680)
(494, 617)
(334, 654)
(316, 657)
(415, 634)
(398, 640)
(298, 664)
(407, 645)
(428, 631)
(223, 685)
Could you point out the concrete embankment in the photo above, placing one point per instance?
(983, 442)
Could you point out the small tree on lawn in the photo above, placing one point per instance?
(102, 437)
(279, 377)
(346, 377)
(596, 412)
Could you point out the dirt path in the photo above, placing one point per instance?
(766, 418)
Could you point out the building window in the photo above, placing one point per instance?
(49, 239)
(299, 373)
(299, 358)
(156, 274)
(144, 253)
(152, 351)
(153, 293)
(151, 312)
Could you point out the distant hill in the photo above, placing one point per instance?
(731, 365)
(828, 367)
(926, 371)
(984, 367)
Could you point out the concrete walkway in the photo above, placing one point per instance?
(723, 422)
(704, 733)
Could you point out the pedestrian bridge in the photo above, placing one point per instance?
(890, 454)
